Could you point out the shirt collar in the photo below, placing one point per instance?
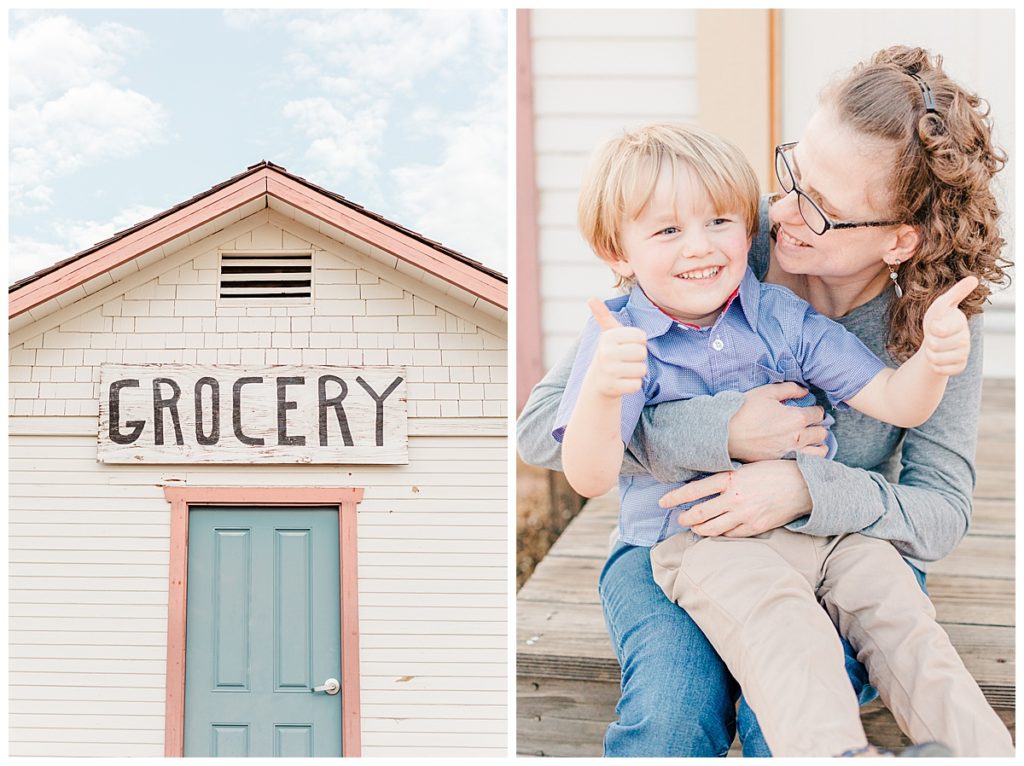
(750, 297)
(653, 321)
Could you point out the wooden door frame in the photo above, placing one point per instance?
(738, 81)
(181, 499)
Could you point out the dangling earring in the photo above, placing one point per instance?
(894, 276)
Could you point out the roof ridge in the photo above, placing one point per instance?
(251, 169)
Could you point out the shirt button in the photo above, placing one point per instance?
(717, 344)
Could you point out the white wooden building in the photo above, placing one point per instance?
(193, 522)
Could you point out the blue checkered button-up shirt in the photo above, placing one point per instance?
(765, 335)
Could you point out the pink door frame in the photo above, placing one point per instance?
(180, 498)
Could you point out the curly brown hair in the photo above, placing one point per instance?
(941, 181)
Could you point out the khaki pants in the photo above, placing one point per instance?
(759, 601)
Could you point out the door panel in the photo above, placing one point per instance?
(263, 629)
(232, 566)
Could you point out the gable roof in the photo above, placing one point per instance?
(270, 180)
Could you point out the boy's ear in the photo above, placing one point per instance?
(903, 246)
(620, 266)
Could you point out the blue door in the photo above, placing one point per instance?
(263, 633)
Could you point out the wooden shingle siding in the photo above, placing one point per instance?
(455, 354)
(595, 73)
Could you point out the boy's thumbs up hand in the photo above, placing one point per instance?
(947, 338)
(602, 315)
(620, 362)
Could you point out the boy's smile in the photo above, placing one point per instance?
(686, 256)
(706, 273)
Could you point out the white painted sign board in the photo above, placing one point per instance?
(176, 413)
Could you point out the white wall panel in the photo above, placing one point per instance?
(615, 57)
(641, 24)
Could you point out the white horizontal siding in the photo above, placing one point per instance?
(637, 24)
(595, 73)
(576, 136)
(616, 57)
(625, 97)
(79, 749)
(84, 666)
(129, 728)
(88, 579)
(86, 652)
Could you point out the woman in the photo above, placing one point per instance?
(887, 204)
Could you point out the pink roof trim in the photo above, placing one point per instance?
(262, 179)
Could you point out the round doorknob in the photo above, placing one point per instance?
(331, 686)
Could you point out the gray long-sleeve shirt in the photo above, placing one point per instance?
(910, 486)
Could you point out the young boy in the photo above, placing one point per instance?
(672, 210)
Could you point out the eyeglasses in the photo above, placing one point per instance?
(813, 216)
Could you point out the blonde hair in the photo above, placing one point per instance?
(624, 173)
(941, 180)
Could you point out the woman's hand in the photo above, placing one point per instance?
(752, 499)
(764, 428)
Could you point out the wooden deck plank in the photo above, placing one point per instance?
(995, 482)
(996, 452)
(568, 675)
(992, 517)
(568, 641)
(958, 598)
(979, 555)
(568, 718)
(561, 717)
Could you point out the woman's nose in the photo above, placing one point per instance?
(785, 209)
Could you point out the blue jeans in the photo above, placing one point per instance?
(678, 698)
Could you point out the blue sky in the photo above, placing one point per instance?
(118, 114)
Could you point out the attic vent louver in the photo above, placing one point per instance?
(266, 276)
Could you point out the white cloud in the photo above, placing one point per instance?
(84, 126)
(380, 74)
(462, 200)
(28, 256)
(361, 61)
(378, 47)
(342, 145)
(247, 18)
(32, 198)
(68, 110)
(80, 235)
(51, 54)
